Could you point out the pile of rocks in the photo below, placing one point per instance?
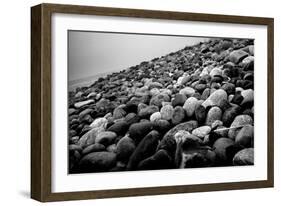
(190, 108)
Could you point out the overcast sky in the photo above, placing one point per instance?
(92, 53)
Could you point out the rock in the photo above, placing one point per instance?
(248, 60)
(216, 72)
(111, 148)
(119, 112)
(132, 118)
(178, 115)
(200, 113)
(183, 80)
(237, 56)
(147, 111)
(206, 94)
(244, 157)
(238, 98)
(158, 99)
(125, 148)
(214, 114)
(93, 148)
(155, 116)
(240, 120)
(120, 128)
(216, 124)
(168, 142)
(248, 97)
(99, 123)
(154, 85)
(229, 88)
(85, 112)
(83, 103)
(154, 91)
(75, 147)
(160, 160)
(105, 138)
(92, 95)
(189, 106)
(220, 147)
(162, 126)
(200, 87)
(98, 162)
(89, 137)
(167, 112)
(251, 50)
(187, 91)
(71, 111)
(217, 98)
(138, 131)
(229, 115)
(145, 149)
(78, 94)
(202, 131)
(245, 136)
(179, 100)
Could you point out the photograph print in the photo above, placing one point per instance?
(151, 102)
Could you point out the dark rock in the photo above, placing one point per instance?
(125, 148)
(168, 142)
(106, 138)
(162, 126)
(245, 136)
(97, 162)
(179, 100)
(229, 88)
(120, 128)
(244, 157)
(160, 160)
(147, 111)
(132, 118)
(229, 115)
(178, 115)
(145, 149)
(238, 98)
(200, 113)
(138, 131)
(119, 113)
(93, 148)
(220, 148)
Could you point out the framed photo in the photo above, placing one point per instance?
(132, 102)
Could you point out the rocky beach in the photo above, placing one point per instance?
(192, 108)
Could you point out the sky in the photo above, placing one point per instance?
(91, 53)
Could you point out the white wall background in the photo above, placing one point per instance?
(15, 102)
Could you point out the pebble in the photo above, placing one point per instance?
(214, 114)
(240, 120)
(155, 116)
(201, 131)
(125, 148)
(178, 115)
(187, 91)
(83, 103)
(105, 138)
(217, 98)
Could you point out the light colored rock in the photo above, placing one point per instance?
(217, 98)
(83, 103)
(214, 114)
(155, 116)
(105, 138)
(248, 96)
(202, 131)
(99, 123)
(189, 106)
(187, 91)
